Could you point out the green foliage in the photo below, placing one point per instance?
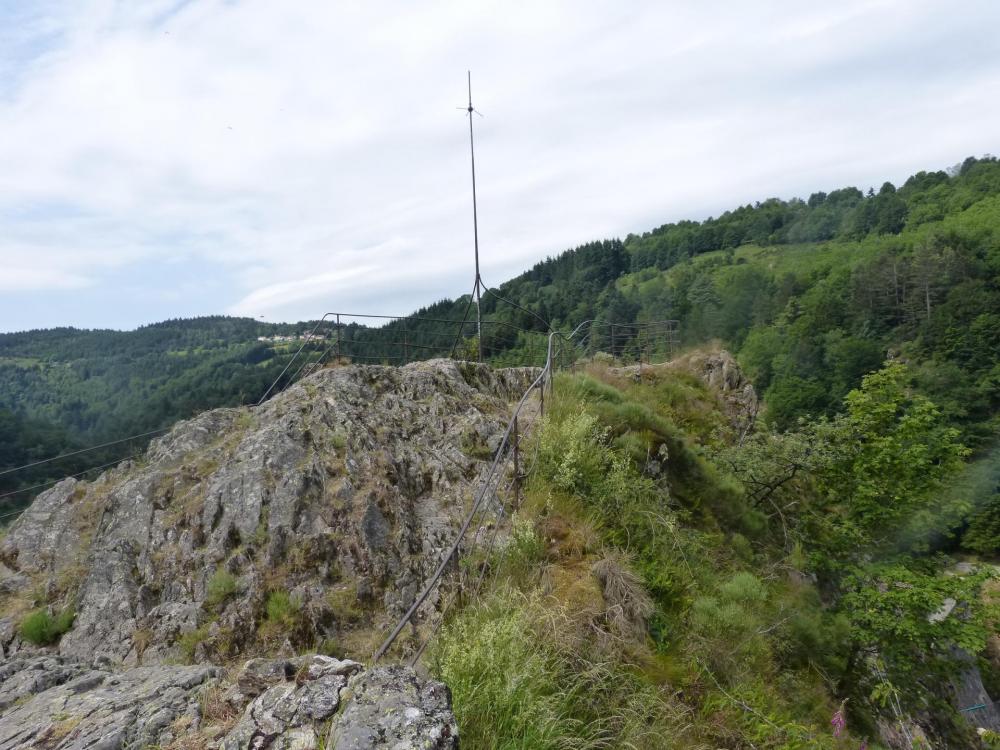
(43, 629)
(188, 642)
(571, 452)
(219, 588)
(525, 550)
(983, 534)
(914, 616)
(891, 452)
(517, 684)
(281, 610)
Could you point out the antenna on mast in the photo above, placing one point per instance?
(478, 286)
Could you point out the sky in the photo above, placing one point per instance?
(166, 159)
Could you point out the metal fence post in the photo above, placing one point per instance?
(517, 465)
(339, 355)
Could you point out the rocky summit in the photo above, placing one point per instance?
(304, 525)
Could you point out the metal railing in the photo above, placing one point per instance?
(498, 492)
(400, 340)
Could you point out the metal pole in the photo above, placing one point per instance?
(641, 350)
(517, 466)
(339, 355)
(475, 225)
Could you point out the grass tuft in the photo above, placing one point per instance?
(43, 629)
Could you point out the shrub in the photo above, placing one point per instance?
(42, 629)
(525, 548)
(983, 533)
(220, 587)
(571, 453)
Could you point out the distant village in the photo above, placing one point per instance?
(280, 339)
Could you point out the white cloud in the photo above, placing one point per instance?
(37, 279)
(312, 156)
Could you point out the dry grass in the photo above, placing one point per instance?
(59, 730)
(627, 605)
(217, 718)
(141, 639)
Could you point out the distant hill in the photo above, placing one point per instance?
(810, 293)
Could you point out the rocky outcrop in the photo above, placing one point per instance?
(723, 374)
(420, 716)
(313, 518)
(290, 701)
(307, 703)
(51, 703)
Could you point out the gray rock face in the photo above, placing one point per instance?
(385, 707)
(340, 493)
(50, 703)
(390, 707)
(289, 712)
(58, 705)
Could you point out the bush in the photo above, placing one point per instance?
(220, 587)
(572, 454)
(42, 629)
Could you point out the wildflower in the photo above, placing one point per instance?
(838, 721)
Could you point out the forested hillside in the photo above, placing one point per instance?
(811, 294)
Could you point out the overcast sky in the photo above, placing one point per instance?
(283, 159)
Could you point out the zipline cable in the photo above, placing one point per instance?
(81, 450)
(57, 481)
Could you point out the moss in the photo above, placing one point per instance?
(474, 446)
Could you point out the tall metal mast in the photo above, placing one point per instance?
(475, 227)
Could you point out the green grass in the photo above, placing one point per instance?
(519, 683)
(188, 642)
(720, 650)
(281, 609)
(221, 586)
(43, 629)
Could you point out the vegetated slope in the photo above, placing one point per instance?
(64, 389)
(675, 580)
(678, 575)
